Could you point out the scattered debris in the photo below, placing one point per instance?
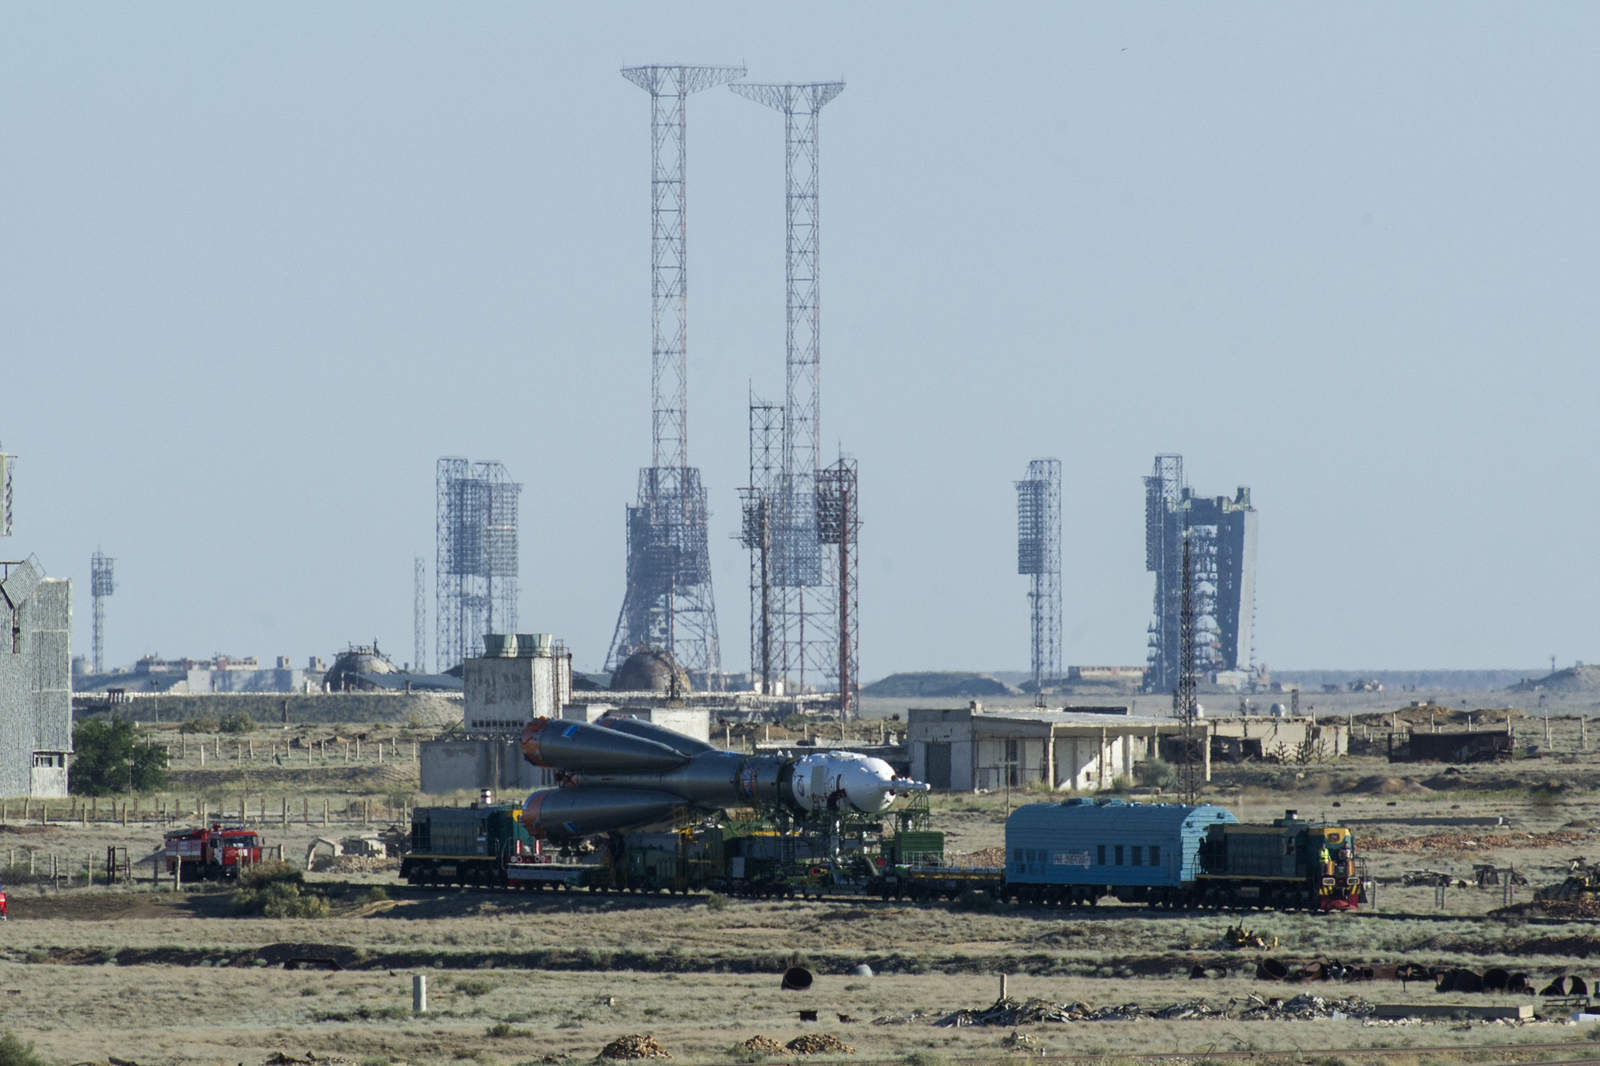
(1238, 937)
(1021, 1042)
(763, 1045)
(1305, 1006)
(280, 1059)
(1008, 1012)
(914, 1018)
(634, 1046)
(819, 1044)
(1431, 879)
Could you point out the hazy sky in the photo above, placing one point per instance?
(263, 264)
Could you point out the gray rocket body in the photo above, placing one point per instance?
(620, 773)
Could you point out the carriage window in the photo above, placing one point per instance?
(1136, 850)
(1155, 855)
(1101, 855)
(1119, 854)
(1019, 859)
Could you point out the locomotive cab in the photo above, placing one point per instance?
(1290, 863)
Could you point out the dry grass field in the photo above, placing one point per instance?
(145, 975)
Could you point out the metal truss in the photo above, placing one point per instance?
(809, 596)
(758, 506)
(668, 602)
(419, 615)
(838, 527)
(102, 583)
(476, 565)
(1039, 557)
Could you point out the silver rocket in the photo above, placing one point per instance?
(621, 773)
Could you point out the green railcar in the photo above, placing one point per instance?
(465, 845)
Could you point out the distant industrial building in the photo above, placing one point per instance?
(1087, 749)
(220, 673)
(35, 681)
(1221, 537)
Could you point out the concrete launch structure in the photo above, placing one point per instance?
(1221, 533)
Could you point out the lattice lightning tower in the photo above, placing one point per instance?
(809, 639)
(419, 615)
(668, 602)
(476, 566)
(838, 524)
(1039, 556)
(758, 502)
(102, 583)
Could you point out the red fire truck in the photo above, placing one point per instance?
(213, 854)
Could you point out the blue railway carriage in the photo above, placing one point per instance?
(1076, 852)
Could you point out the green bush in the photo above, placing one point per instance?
(375, 894)
(237, 723)
(13, 1052)
(199, 725)
(475, 987)
(282, 897)
(1157, 773)
(271, 872)
(716, 902)
(108, 758)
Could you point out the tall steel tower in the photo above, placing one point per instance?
(6, 463)
(838, 524)
(1039, 556)
(102, 583)
(668, 602)
(758, 506)
(419, 615)
(476, 569)
(809, 596)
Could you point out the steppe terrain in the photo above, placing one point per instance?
(139, 973)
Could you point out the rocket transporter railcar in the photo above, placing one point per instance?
(1080, 851)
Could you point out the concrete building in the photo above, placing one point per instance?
(519, 678)
(35, 681)
(966, 749)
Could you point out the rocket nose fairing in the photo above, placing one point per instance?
(620, 773)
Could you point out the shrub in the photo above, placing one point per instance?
(108, 758)
(279, 894)
(716, 902)
(1157, 773)
(475, 987)
(237, 723)
(375, 894)
(924, 1058)
(13, 1052)
(271, 872)
(199, 725)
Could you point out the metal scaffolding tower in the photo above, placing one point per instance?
(1217, 535)
(102, 583)
(419, 615)
(6, 464)
(758, 502)
(1039, 556)
(807, 586)
(476, 567)
(668, 602)
(838, 526)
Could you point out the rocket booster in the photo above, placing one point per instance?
(620, 773)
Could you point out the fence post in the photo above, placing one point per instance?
(419, 993)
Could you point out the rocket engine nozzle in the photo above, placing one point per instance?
(567, 814)
(576, 747)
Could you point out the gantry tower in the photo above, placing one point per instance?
(475, 573)
(1203, 553)
(102, 583)
(1039, 557)
(808, 594)
(668, 601)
